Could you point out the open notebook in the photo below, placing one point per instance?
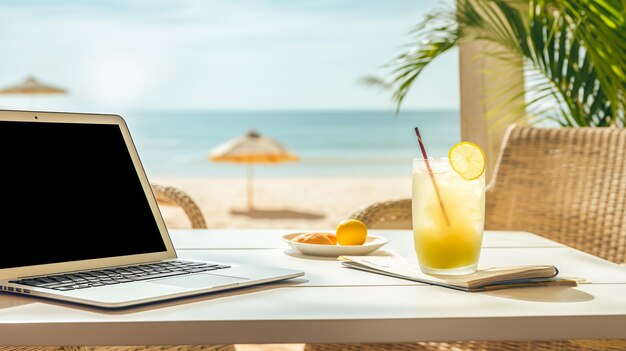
(482, 280)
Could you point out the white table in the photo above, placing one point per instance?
(331, 304)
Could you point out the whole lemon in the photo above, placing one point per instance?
(351, 232)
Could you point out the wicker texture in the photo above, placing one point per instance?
(570, 345)
(566, 184)
(395, 214)
(170, 195)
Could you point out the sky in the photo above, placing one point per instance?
(115, 56)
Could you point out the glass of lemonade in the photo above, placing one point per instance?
(448, 218)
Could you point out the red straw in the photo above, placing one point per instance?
(432, 176)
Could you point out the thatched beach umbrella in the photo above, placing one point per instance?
(249, 149)
(31, 86)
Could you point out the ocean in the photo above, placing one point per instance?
(329, 143)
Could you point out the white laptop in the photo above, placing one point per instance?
(80, 223)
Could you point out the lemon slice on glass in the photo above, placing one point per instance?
(468, 160)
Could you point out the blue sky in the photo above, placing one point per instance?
(215, 54)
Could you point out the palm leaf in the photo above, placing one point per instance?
(574, 52)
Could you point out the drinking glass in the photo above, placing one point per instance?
(448, 218)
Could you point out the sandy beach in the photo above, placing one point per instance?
(298, 203)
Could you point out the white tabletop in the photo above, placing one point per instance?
(334, 304)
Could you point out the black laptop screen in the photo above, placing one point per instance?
(70, 192)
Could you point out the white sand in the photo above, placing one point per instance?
(298, 203)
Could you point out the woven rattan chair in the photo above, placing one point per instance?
(170, 195)
(393, 214)
(566, 184)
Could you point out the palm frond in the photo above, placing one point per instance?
(573, 51)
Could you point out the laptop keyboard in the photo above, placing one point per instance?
(118, 275)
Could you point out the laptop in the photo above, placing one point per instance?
(80, 223)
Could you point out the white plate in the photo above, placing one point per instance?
(372, 243)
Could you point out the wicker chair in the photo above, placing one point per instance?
(170, 195)
(393, 214)
(566, 184)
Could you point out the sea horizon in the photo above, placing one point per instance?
(330, 143)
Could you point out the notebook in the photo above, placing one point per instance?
(484, 279)
(80, 222)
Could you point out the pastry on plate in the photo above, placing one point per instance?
(316, 238)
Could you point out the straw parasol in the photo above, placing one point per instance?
(249, 149)
(31, 86)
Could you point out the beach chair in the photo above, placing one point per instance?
(566, 184)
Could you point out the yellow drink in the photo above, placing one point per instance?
(449, 246)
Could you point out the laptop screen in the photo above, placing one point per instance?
(70, 192)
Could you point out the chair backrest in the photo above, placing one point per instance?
(393, 214)
(566, 184)
(171, 195)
